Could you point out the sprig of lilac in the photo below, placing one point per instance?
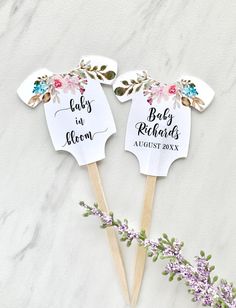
(198, 277)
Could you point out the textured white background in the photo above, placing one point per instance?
(50, 256)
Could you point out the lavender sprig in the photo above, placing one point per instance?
(198, 277)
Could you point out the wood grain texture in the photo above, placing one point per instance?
(113, 241)
(145, 225)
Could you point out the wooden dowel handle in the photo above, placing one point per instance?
(113, 241)
(145, 225)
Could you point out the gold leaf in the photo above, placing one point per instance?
(46, 97)
(198, 101)
(34, 101)
(185, 101)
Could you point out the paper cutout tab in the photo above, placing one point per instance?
(159, 123)
(78, 115)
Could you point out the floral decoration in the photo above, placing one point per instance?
(47, 88)
(204, 287)
(183, 92)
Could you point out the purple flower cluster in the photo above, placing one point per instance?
(198, 277)
(226, 291)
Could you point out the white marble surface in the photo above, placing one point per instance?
(50, 256)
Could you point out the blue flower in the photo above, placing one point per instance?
(40, 87)
(190, 90)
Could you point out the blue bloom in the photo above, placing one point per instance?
(40, 87)
(190, 91)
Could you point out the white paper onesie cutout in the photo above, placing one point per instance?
(159, 123)
(78, 115)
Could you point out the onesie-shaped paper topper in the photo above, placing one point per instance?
(158, 131)
(159, 123)
(79, 120)
(78, 114)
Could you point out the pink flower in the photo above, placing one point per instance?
(57, 83)
(81, 90)
(149, 100)
(172, 89)
(71, 84)
(158, 90)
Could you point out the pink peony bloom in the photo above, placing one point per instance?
(158, 91)
(172, 89)
(71, 84)
(57, 83)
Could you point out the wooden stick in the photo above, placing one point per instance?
(145, 225)
(114, 245)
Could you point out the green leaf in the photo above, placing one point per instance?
(120, 91)
(86, 214)
(130, 91)
(155, 258)
(172, 276)
(165, 236)
(99, 77)
(125, 82)
(129, 243)
(109, 75)
(103, 67)
(124, 238)
(90, 75)
(212, 268)
(202, 253)
(138, 88)
(143, 234)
